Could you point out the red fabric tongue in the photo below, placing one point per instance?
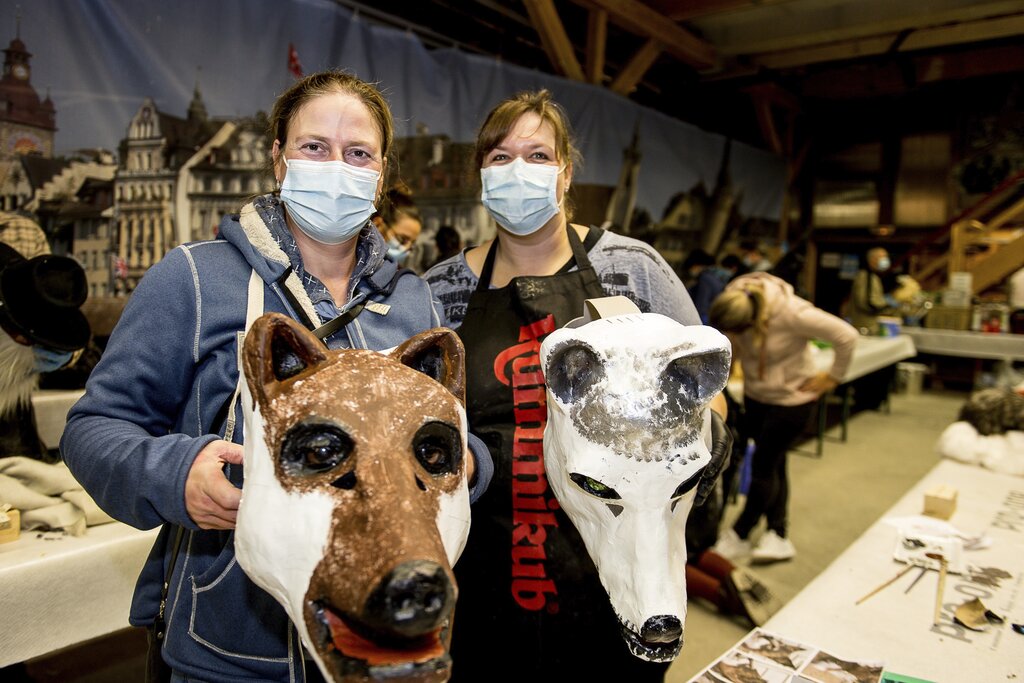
(355, 646)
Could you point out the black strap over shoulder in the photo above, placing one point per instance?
(292, 301)
(331, 326)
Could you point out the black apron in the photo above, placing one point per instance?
(530, 605)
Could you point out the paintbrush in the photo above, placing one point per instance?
(942, 584)
(890, 581)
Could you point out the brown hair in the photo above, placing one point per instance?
(394, 204)
(502, 119)
(324, 83)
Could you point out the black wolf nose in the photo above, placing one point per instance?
(663, 629)
(413, 600)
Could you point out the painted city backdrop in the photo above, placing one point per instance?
(132, 126)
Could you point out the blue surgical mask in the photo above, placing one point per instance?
(48, 360)
(397, 251)
(884, 263)
(520, 196)
(330, 201)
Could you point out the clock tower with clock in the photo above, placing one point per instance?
(27, 125)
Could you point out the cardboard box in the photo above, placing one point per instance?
(948, 318)
(940, 501)
(954, 297)
(962, 281)
(10, 529)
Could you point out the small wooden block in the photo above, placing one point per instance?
(11, 529)
(940, 501)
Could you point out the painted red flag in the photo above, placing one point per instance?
(120, 267)
(294, 65)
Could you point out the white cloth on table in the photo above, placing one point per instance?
(48, 496)
(998, 452)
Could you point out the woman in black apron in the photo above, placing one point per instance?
(531, 606)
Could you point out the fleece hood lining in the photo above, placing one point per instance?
(263, 242)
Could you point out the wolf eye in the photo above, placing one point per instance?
(594, 487)
(311, 448)
(438, 447)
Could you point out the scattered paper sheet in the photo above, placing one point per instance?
(765, 656)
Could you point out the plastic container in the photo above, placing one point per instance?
(910, 377)
(889, 326)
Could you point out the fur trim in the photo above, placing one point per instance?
(263, 241)
(259, 235)
(18, 376)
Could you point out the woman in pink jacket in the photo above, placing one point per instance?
(770, 328)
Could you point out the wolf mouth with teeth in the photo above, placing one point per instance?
(355, 503)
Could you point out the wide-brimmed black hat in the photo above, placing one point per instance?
(40, 299)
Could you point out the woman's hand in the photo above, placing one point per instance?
(210, 498)
(820, 384)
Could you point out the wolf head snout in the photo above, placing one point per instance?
(414, 599)
(664, 629)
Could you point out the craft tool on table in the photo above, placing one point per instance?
(942, 584)
(917, 578)
(889, 582)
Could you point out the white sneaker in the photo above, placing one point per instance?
(773, 548)
(731, 546)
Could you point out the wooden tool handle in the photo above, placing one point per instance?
(890, 581)
(941, 589)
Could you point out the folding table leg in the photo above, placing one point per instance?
(819, 447)
(847, 404)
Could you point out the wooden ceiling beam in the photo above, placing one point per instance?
(682, 10)
(625, 82)
(554, 38)
(922, 39)
(597, 38)
(856, 81)
(771, 103)
(749, 37)
(638, 18)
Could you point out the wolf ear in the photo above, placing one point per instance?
(276, 349)
(692, 379)
(571, 369)
(439, 354)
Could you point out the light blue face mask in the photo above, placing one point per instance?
(330, 201)
(48, 360)
(883, 264)
(397, 251)
(521, 197)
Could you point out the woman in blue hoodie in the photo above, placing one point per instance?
(156, 438)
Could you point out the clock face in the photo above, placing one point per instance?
(20, 71)
(24, 142)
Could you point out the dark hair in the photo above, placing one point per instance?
(394, 204)
(732, 261)
(324, 83)
(447, 239)
(698, 257)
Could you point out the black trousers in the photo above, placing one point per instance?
(774, 430)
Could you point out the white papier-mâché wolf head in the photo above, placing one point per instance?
(355, 502)
(626, 444)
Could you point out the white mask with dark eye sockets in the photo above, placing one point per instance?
(521, 196)
(330, 201)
